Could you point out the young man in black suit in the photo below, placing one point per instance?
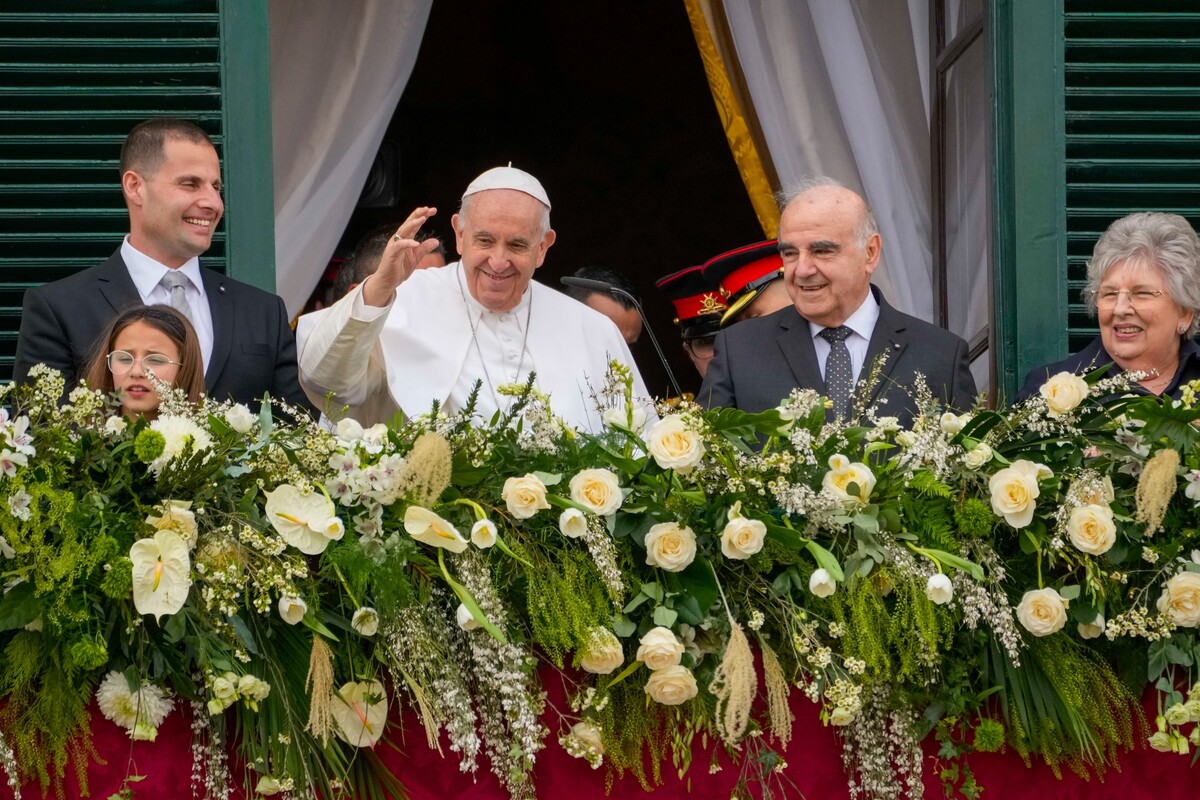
(837, 324)
(171, 180)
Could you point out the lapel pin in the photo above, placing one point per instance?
(221, 290)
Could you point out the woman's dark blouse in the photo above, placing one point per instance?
(1095, 356)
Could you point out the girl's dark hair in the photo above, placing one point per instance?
(170, 322)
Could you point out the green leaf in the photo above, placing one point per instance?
(468, 600)
(664, 616)
(959, 563)
(244, 634)
(634, 526)
(624, 627)
(19, 607)
(697, 581)
(826, 560)
(688, 609)
(1070, 592)
(548, 478)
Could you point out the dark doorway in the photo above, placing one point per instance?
(607, 104)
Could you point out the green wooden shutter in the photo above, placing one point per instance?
(75, 76)
(1132, 74)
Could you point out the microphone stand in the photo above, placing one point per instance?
(609, 289)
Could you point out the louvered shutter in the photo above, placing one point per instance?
(1132, 75)
(75, 76)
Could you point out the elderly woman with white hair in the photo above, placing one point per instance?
(1144, 284)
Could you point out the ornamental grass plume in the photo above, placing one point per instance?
(319, 684)
(427, 470)
(734, 684)
(1155, 488)
(778, 711)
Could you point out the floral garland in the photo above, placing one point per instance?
(984, 575)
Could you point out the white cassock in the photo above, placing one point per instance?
(434, 341)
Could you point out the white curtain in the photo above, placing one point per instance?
(337, 72)
(841, 88)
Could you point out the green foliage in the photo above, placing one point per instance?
(149, 445)
(989, 735)
(634, 728)
(565, 603)
(931, 521)
(974, 518)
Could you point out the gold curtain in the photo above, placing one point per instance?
(736, 111)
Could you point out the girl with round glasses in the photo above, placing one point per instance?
(143, 341)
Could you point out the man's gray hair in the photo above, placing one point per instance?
(1151, 239)
(867, 226)
(465, 206)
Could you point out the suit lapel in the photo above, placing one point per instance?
(220, 304)
(795, 341)
(888, 337)
(115, 285)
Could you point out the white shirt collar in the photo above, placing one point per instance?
(862, 321)
(146, 272)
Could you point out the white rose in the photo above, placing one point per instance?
(617, 416)
(671, 686)
(292, 608)
(267, 785)
(572, 523)
(670, 547)
(659, 649)
(1093, 629)
(842, 473)
(466, 620)
(348, 430)
(225, 689)
(979, 457)
(1063, 392)
(1092, 529)
(483, 534)
(598, 489)
(906, 438)
(365, 621)
(952, 423)
(1180, 600)
(253, 688)
(842, 716)
(1015, 491)
(115, 425)
(603, 653)
(1042, 611)
(673, 445)
(742, 538)
(588, 734)
(240, 418)
(939, 589)
(821, 583)
(525, 496)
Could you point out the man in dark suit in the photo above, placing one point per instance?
(837, 325)
(171, 179)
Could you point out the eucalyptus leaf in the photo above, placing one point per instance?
(664, 616)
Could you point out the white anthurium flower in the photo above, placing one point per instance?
(161, 574)
(292, 608)
(428, 528)
(484, 534)
(360, 713)
(303, 518)
(365, 621)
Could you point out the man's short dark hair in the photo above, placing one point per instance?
(605, 275)
(365, 258)
(143, 148)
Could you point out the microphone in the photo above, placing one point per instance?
(609, 289)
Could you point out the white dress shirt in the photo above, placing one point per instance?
(147, 274)
(862, 325)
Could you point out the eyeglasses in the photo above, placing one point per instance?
(1107, 298)
(701, 348)
(120, 362)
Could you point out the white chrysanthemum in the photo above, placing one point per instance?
(144, 709)
(178, 431)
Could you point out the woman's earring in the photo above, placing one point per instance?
(1182, 329)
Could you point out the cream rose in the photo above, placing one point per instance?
(842, 475)
(1180, 600)
(670, 547)
(603, 653)
(618, 416)
(673, 445)
(952, 423)
(589, 735)
(1063, 392)
(524, 496)
(349, 430)
(1042, 611)
(979, 457)
(671, 686)
(659, 649)
(239, 418)
(1015, 491)
(598, 489)
(1091, 529)
(742, 538)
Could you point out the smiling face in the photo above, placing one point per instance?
(137, 392)
(499, 236)
(1140, 333)
(826, 272)
(174, 210)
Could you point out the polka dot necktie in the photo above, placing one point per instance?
(839, 375)
(176, 285)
